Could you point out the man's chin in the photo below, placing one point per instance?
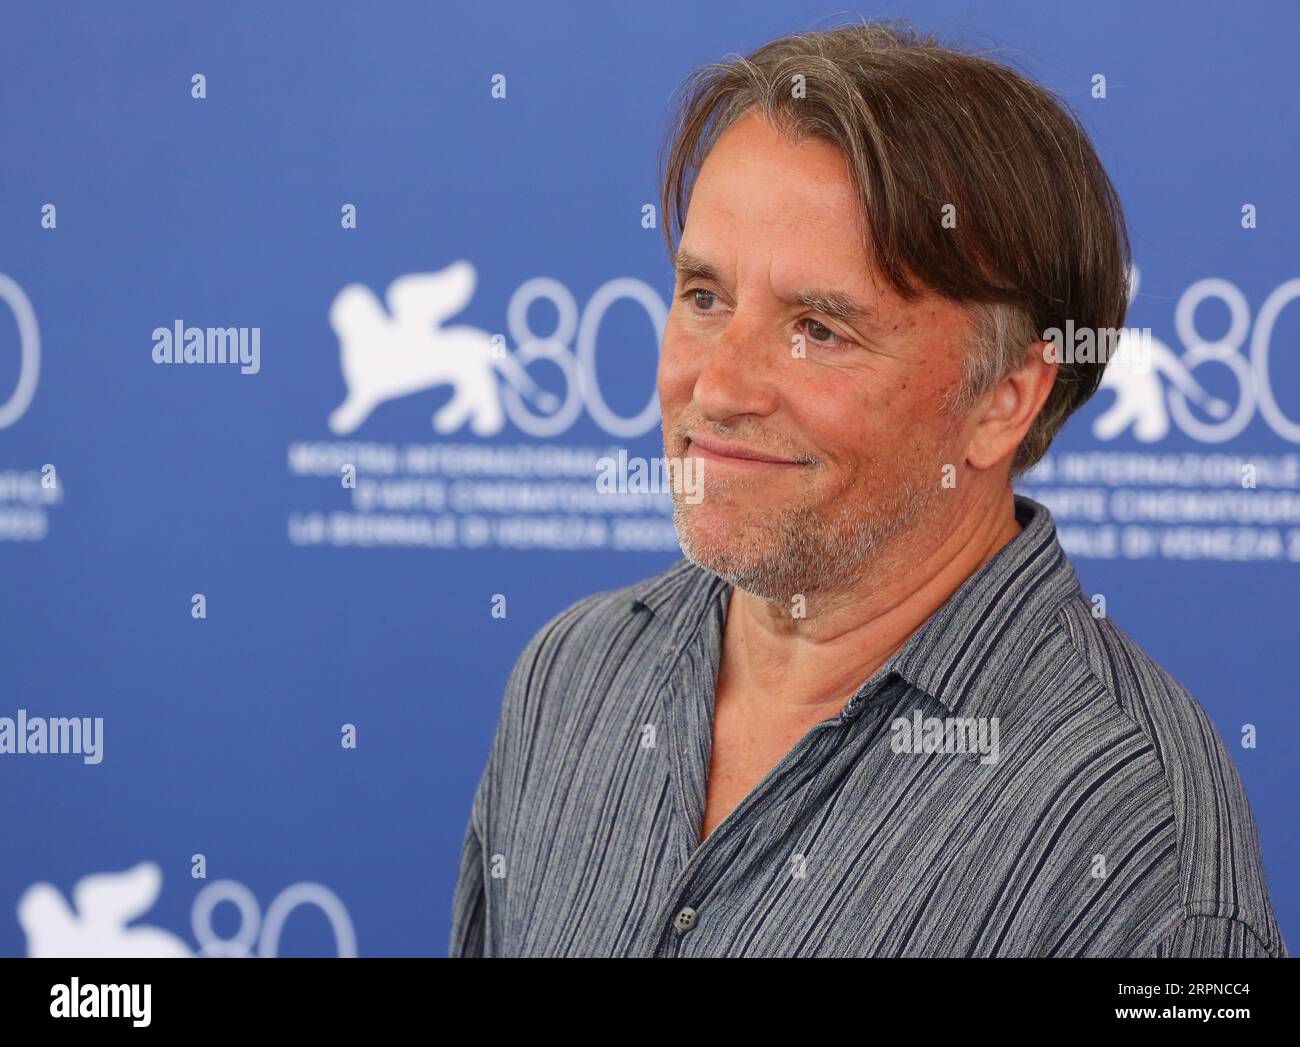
(706, 535)
(724, 552)
(704, 542)
(775, 554)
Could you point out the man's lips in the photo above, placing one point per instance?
(712, 449)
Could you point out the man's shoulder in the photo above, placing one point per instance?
(630, 623)
(604, 611)
(1217, 851)
(1144, 691)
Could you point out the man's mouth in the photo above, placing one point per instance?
(713, 449)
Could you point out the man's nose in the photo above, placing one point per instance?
(741, 373)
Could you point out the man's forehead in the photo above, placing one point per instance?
(753, 140)
(793, 221)
(753, 163)
(850, 291)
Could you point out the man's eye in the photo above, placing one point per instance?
(694, 295)
(823, 335)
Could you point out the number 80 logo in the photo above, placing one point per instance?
(582, 385)
(265, 934)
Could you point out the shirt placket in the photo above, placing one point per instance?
(689, 695)
(694, 890)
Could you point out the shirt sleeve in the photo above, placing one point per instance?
(469, 904)
(471, 909)
(1215, 937)
(478, 898)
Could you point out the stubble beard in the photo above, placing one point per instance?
(802, 549)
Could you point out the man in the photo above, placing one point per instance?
(871, 713)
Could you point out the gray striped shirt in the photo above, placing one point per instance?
(1112, 822)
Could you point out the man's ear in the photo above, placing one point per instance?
(1004, 413)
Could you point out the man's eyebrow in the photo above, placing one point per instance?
(835, 304)
(688, 267)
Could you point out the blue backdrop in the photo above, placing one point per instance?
(296, 678)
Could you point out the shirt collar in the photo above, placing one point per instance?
(966, 653)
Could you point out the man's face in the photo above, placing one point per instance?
(849, 415)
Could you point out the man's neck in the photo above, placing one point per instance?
(802, 667)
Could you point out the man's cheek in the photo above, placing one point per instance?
(668, 376)
(676, 378)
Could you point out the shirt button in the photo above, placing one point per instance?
(685, 920)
